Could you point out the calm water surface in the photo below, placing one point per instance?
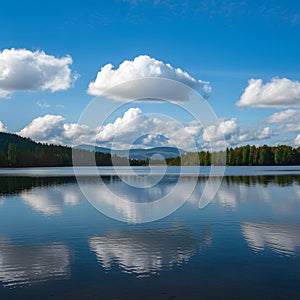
(245, 244)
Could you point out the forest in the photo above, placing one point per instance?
(16, 151)
(280, 155)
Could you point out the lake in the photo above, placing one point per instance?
(244, 244)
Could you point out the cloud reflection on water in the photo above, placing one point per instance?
(23, 264)
(144, 252)
(124, 202)
(281, 238)
(51, 201)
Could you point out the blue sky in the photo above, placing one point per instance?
(225, 43)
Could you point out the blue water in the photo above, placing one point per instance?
(170, 170)
(244, 244)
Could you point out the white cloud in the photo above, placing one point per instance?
(184, 135)
(228, 133)
(2, 127)
(134, 124)
(289, 127)
(264, 133)
(53, 129)
(43, 128)
(279, 92)
(138, 130)
(297, 140)
(287, 120)
(25, 70)
(222, 131)
(284, 116)
(143, 67)
(121, 125)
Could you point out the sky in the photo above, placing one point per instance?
(241, 56)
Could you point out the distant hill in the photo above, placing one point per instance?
(165, 152)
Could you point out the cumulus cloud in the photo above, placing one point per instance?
(264, 133)
(134, 124)
(297, 140)
(185, 135)
(135, 129)
(53, 129)
(287, 120)
(2, 127)
(285, 116)
(228, 133)
(109, 81)
(25, 70)
(289, 127)
(43, 128)
(279, 92)
(222, 131)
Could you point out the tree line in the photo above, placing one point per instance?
(281, 155)
(16, 151)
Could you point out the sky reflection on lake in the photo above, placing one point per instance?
(144, 252)
(24, 264)
(50, 234)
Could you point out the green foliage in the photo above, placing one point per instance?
(3, 159)
(243, 156)
(246, 155)
(12, 154)
(16, 151)
(285, 155)
(22, 152)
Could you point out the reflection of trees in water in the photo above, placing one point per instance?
(278, 193)
(60, 191)
(16, 184)
(281, 180)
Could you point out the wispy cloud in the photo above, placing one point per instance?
(47, 105)
(42, 104)
(211, 9)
